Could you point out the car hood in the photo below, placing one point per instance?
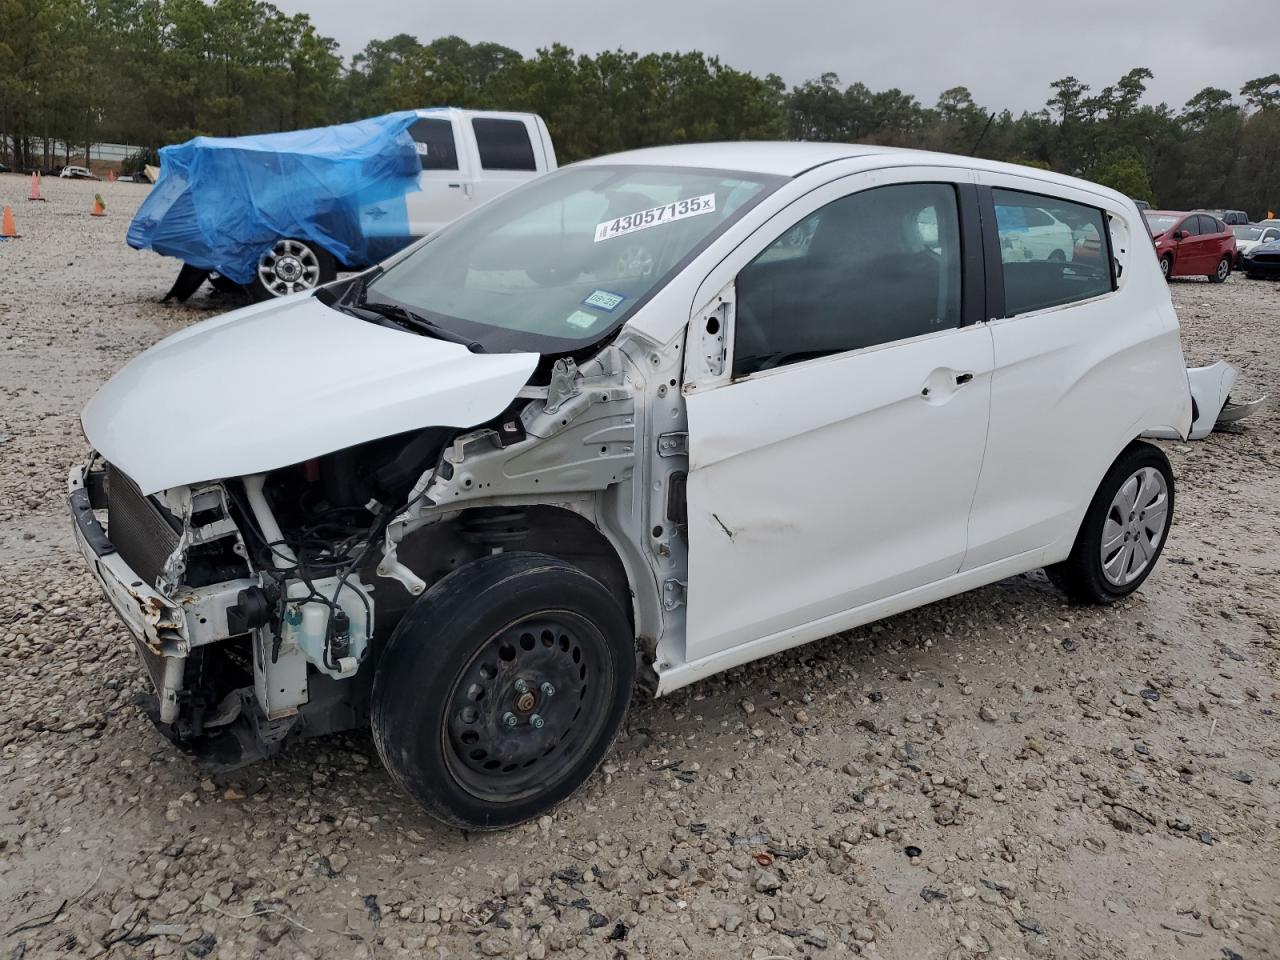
(1271, 246)
(282, 382)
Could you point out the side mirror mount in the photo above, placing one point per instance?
(1178, 234)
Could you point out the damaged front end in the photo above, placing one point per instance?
(248, 598)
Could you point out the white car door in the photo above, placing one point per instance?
(833, 461)
(508, 152)
(1082, 358)
(447, 180)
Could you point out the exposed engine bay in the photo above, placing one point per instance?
(263, 597)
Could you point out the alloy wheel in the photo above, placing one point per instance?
(290, 266)
(1134, 527)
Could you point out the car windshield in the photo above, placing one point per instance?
(1160, 222)
(564, 260)
(1246, 232)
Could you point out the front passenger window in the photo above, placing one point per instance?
(867, 269)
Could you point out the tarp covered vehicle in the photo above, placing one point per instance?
(283, 212)
(223, 203)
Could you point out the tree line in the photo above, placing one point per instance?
(153, 72)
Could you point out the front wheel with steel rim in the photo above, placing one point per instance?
(1124, 529)
(1166, 265)
(291, 266)
(502, 688)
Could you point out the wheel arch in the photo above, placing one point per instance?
(435, 549)
(1060, 549)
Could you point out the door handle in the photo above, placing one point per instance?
(455, 186)
(963, 378)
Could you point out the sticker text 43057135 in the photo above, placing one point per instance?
(667, 213)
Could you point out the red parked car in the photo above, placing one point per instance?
(1192, 244)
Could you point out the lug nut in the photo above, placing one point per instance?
(537, 721)
(509, 719)
(521, 686)
(547, 689)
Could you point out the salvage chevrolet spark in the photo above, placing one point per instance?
(636, 422)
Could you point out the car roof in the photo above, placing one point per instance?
(793, 158)
(763, 157)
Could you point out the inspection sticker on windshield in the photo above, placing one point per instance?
(580, 318)
(667, 213)
(604, 300)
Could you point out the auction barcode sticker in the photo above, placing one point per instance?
(667, 213)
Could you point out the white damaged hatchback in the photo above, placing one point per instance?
(631, 424)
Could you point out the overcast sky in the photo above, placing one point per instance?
(1005, 51)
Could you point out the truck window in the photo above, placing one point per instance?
(436, 146)
(504, 144)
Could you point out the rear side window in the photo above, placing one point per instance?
(504, 144)
(1053, 251)
(870, 268)
(436, 147)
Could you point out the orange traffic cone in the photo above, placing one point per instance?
(7, 230)
(35, 187)
(99, 208)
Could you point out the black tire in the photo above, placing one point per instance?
(316, 267)
(1223, 271)
(1081, 576)
(1166, 266)
(448, 681)
(225, 284)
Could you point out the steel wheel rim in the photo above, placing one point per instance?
(1134, 526)
(495, 760)
(1223, 267)
(288, 267)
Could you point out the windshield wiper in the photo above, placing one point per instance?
(409, 320)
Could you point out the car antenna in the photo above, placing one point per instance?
(977, 143)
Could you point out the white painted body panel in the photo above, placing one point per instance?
(448, 194)
(1072, 386)
(281, 382)
(823, 486)
(882, 475)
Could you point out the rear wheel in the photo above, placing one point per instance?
(502, 689)
(1222, 272)
(1166, 265)
(1124, 529)
(291, 266)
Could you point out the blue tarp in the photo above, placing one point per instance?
(221, 202)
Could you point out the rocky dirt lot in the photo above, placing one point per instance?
(998, 775)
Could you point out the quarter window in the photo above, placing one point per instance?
(867, 269)
(504, 144)
(1052, 251)
(436, 147)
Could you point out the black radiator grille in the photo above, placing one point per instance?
(137, 528)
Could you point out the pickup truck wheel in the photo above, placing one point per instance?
(1124, 529)
(502, 689)
(291, 266)
(1222, 272)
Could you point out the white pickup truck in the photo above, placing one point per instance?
(468, 157)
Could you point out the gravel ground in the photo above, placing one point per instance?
(1000, 774)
